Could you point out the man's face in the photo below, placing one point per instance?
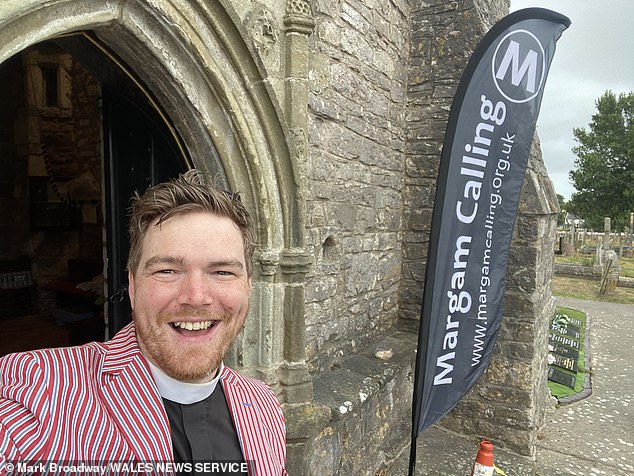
(190, 294)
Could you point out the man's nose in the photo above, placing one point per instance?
(196, 289)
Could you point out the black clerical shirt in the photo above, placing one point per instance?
(203, 431)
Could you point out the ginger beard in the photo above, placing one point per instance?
(192, 362)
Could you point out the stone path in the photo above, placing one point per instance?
(594, 436)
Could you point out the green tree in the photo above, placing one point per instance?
(604, 167)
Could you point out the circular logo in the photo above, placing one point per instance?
(519, 66)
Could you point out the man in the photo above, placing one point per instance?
(158, 391)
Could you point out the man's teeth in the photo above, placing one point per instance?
(193, 326)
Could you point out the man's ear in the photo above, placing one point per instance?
(131, 288)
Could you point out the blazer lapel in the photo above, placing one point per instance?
(130, 396)
(253, 434)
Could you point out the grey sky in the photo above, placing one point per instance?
(593, 55)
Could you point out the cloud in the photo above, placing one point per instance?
(592, 56)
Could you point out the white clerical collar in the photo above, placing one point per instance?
(183, 392)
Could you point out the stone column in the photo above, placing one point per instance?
(607, 229)
(299, 24)
(293, 373)
(630, 234)
(295, 262)
(303, 419)
(572, 240)
(260, 349)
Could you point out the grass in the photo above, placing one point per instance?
(583, 260)
(561, 391)
(626, 262)
(627, 267)
(588, 289)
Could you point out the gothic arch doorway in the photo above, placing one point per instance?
(86, 136)
(196, 59)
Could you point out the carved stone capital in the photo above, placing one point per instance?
(294, 262)
(268, 262)
(299, 17)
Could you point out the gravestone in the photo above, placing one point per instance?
(563, 340)
(565, 363)
(561, 377)
(569, 330)
(567, 352)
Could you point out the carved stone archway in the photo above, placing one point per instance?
(192, 57)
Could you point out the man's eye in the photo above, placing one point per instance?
(165, 271)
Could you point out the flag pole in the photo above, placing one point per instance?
(424, 324)
(412, 456)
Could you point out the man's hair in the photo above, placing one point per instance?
(185, 194)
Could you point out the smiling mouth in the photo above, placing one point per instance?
(193, 326)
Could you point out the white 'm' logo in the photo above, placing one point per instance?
(527, 73)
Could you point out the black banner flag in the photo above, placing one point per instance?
(485, 152)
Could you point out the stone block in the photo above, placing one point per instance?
(368, 402)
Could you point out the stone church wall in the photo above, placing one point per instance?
(357, 100)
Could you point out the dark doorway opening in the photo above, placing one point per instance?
(80, 136)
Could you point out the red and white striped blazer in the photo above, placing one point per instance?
(98, 402)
